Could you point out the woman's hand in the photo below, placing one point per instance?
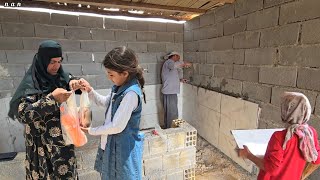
(61, 95)
(74, 85)
(245, 152)
(85, 85)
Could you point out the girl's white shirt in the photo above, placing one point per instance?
(120, 120)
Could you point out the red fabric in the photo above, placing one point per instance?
(285, 164)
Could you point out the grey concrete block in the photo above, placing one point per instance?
(147, 57)
(263, 19)
(299, 11)
(261, 56)
(305, 56)
(92, 68)
(3, 57)
(64, 19)
(102, 34)
(188, 36)
(191, 57)
(246, 40)
(112, 44)
(257, 91)
(152, 78)
(270, 3)
(270, 114)
(69, 45)
(246, 73)
(94, 175)
(304, 79)
(231, 86)
(154, 68)
(93, 46)
(223, 13)
(224, 71)
(191, 46)
(138, 47)
(311, 32)
(10, 43)
(79, 57)
(165, 37)
(207, 19)
(137, 25)
(173, 27)
(235, 25)
(157, 26)
(146, 36)
(192, 24)
(283, 76)
(74, 69)
(317, 107)
(103, 82)
(91, 80)
(110, 23)
(77, 33)
(32, 43)
(9, 15)
(178, 37)
(314, 122)
(277, 92)
(283, 35)
(220, 43)
(90, 21)
(99, 56)
(17, 30)
(226, 57)
(247, 6)
(174, 47)
(17, 81)
(49, 31)
(208, 32)
(20, 56)
(12, 70)
(156, 47)
(6, 84)
(206, 69)
(34, 17)
(126, 36)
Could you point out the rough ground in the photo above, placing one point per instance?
(214, 165)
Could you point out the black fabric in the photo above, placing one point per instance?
(37, 80)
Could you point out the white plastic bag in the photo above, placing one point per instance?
(85, 111)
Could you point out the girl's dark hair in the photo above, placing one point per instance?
(122, 59)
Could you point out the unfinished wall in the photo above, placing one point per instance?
(85, 41)
(257, 49)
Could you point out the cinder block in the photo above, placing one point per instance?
(103, 82)
(64, 19)
(99, 56)
(263, 19)
(9, 15)
(176, 141)
(6, 84)
(206, 69)
(208, 32)
(283, 35)
(87, 157)
(138, 47)
(49, 31)
(157, 26)
(77, 33)
(220, 43)
(137, 25)
(154, 68)
(247, 6)
(3, 57)
(92, 69)
(178, 37)
(126, 36)
(10, 43)
(13, 70)
(171, 161)
(270, 3)
(93, 46)
(311, 32)
(147, 57)
(20, 57)
(235, 25)
(224, 71)
(231, 86)
(90, 21)
(188, 36)
(226, 57)
(69, 45)
(79, 57)
(192, 24)
(156, 47)
(152, 78)
(257, 91)
(246, 40)
(317, 107)
(207, 19)
(173, 27)
(34, 17)
(92, 80)
(283, 76)
(187, 157)
(146, 36)
(174, 47)
(17, 30)
(102, 34)
(165, 37)
(110, 23)
(223, 13)
(270, 113)
(304, 79)
(303, 10)
(94, 175)
(33, 43)
(111, 45)
(246, 73)
(152, 168)
(74, 69)
(314, 122)
(305, 56)
(175, 176)
(262, 56)
(191, 46)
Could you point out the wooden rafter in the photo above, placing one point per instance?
(135, 5)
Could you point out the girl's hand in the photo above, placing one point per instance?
(74, 85)
(85, 85)
(245, 152)
(85, 130)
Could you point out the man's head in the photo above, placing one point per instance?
(175, 56)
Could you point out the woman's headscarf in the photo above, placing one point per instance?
(296, 110)
(37, 80)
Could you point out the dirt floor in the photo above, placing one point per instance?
(214, 165)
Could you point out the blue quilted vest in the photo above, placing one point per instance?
(122, 157)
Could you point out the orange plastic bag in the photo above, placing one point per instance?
(70, 123)
(84, 110)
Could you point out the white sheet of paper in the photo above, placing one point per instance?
(255, 139)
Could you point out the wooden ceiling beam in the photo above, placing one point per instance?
(127, 4)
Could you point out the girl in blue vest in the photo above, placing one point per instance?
(119, 156)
